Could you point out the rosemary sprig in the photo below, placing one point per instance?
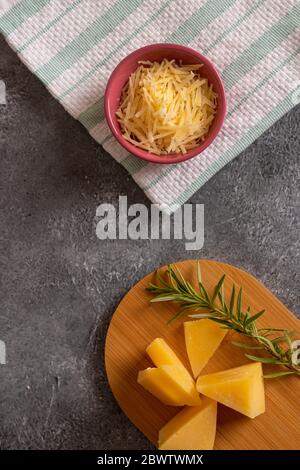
(276, 342)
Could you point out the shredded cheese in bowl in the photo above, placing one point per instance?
(166, 108)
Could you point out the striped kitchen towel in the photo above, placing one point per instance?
(73, 46)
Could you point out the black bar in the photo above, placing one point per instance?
(140, 459)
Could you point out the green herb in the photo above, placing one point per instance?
(229, 315)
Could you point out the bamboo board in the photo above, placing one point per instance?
(136, 323)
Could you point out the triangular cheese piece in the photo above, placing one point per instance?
(193, 428)
(170, 385)
(162, 354)
(240, 388)
(202, 339)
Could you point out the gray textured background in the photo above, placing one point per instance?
(60, 284)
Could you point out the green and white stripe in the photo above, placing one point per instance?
(93, 117)
(25, 33)
(66, 39)
(229, 52)
(151, 171)
(243, 63)
(157, 25)
(163, 28)
(73, 45)
(98, 55)
(6, 5)
(107, 53)
(12, 18)
(244, 130)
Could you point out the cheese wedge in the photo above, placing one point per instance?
(193, 428)
(240, 388)
(170, 385)
(202, 339)
(162, 355)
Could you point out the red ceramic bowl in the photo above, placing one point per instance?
(158, 52)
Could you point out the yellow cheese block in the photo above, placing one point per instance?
(202, 339)
(162, 355)
(193, 428)
(240, 388)
(170, 385)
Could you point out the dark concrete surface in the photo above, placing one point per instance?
(60, 284)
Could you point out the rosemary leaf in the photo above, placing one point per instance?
(217, 289)
(230, 316)
(265, 360)
(199, 275)
(254, 317)
(163, 298)
(288, 339)
(201, 316)
(245, 346)
(239, 303)
(271, 329)
(274, 375)
(232, 299)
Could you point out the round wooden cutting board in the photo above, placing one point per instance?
(136, 323)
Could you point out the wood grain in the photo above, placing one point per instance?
(136, 323)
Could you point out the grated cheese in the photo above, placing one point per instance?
(166, 108)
